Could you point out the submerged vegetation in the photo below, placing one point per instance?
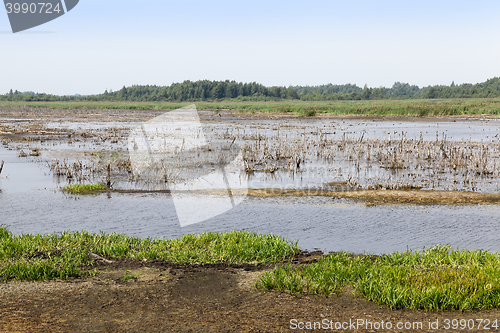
(438, 278)
(43, 257)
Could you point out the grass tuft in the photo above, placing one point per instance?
(83, 188)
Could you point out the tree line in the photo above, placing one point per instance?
(206, 90)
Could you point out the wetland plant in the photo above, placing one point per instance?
(391, 162)
(84, 188)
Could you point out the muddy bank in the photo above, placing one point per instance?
(371, 197)
(183, 298)
(392, 197)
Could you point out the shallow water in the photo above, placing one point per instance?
(364, 167)
(30, 203)
(438, 154)
(455, 128)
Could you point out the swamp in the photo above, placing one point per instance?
(312, 208)
(329, 182)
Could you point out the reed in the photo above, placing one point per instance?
(394, 162)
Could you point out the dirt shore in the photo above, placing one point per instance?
(184, 298)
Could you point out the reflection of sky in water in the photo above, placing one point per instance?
(30, 204)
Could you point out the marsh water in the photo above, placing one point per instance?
(31, 202)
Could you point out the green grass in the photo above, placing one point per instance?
(83, 188)
(42, 257)
(428, 107)
(439, 278)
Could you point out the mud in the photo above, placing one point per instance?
(392, 197)
(184, 298)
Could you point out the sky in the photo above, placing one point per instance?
(106, 44)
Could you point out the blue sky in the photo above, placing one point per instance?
(105, 44)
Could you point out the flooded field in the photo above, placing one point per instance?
(45, 149)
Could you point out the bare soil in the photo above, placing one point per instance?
(187, 298)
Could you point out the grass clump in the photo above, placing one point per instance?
(84, 188)
(439, 278)
(43, 257)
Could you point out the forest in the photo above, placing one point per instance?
(206, 90)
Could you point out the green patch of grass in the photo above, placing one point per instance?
(439, 278)
(306, 113)
(83, 188)
(42, 257)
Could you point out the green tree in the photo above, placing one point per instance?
(219, 91)
(366, 92)
(123, 94)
